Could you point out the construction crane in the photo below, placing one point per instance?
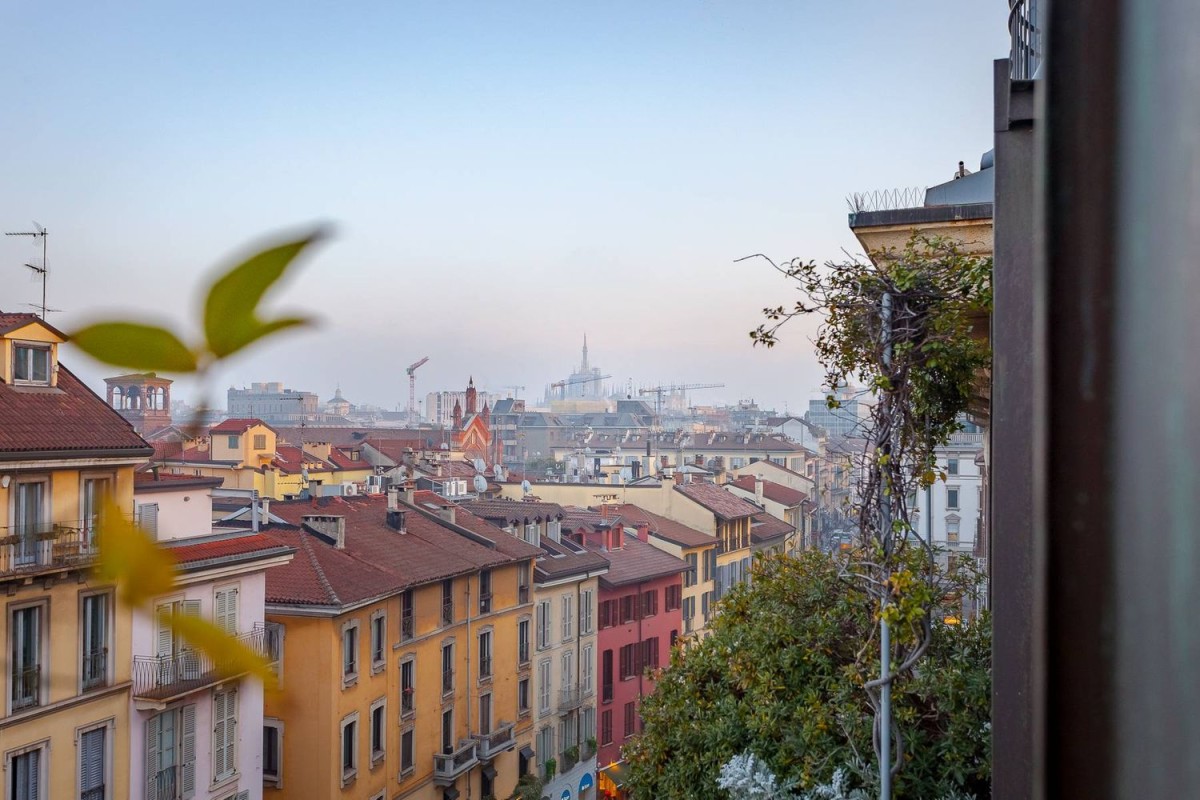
(412, 390)
(515, 389)
(564, 384)
(659, 391)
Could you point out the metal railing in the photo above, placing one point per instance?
(406, 628)
(569, 699)
(1025, 32)
(886, 199)
(160, 677)
(570, 757)
(485, 667)
(95, 793)
(485, 603)
(408, 701)
(448, 766)
(447, 681)
(94, 669)
(523, 593)
(495, 742)
(167, 784)
(447, 612)
(32, 548)
(523, 653)
(26, 686)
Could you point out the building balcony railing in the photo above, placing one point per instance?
(447, 612)
(447, 767)
(569, 699)
(407, 628)
(162, 678)
(447, 681)
(523, 653)
(485, 667)
(966, 438)
(94, 669)
(26, 686)
(570, 757)
(51, 546)
(523, 594)
(166, 784)
(494, 743)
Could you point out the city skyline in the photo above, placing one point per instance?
(501, 181)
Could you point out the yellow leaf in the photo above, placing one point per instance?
(132, 559)
(229, 655)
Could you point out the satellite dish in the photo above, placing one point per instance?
(479, 465)
(480, 483)
(526, 487)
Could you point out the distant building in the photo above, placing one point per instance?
(841, 421)
(582, 384)
(270, 402)
(143, 398)
(439, 406)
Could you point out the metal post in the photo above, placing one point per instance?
(885, 640)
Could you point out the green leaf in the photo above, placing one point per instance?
(230, 311)
(134, 345)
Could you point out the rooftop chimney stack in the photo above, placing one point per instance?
(447, 513)
(393, 499)
(330, 525)
(758, 491)
(396, 520)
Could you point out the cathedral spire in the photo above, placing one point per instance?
(584, 366)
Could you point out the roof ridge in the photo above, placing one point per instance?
(316, 565)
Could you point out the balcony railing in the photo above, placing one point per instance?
(447, 681)
(447, 612)
(167, 785)
(966, 438)
(26, 686)
(95, 669)
(408, 701)
(165, 677)
(569, 699)
(523, 653)
(523, 593)
(494, 743)
(36, 548)
(570, 757)
(406, 628)
(485, 667)
(449, 766)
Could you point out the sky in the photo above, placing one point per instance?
(501, 177)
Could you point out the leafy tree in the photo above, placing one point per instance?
(781, 676)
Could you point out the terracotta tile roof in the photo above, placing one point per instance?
(576, 518)
(63, 419)
(147, 481)
(515, 511)
(427, 551)
(323, 575)
(10, 322)
(446, 469)
(339, 437)
(505, 543)
(638, 561)
(665, 528)
(564, 559)
(765, 528)
(776, 492)
(237, 426)
(554, 559)
(743, 442)
(724, 504)
(291, 460)
(240, 546)
(340, 457)
(164, 450)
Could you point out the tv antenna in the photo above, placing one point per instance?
(37, 233)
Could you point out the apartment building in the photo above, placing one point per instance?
(564, 652)
(401, 657)
(730, 522)
(64, 452)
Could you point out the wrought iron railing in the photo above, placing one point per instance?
(157, 677)
(30, 548)
(1027, 48)
(407, 627)
(94, 669)
(569, 698)
(447, 681)
(26, 686)
(485, 666)
(448, 766)
(447, 612)
(523, 652)
(167, 785)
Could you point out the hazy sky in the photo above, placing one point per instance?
(503, 176)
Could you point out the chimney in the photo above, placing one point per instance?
(447, 513)
(615, 535)
(758, 490)
(396, 520)
(643, 532)
(410, 493)
(328, 525)
(393, 499)
(266, 510)
(679, 478)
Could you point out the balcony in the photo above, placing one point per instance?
(569, 699)
(570, 757)
(33, 549)
(26, 686)
(160, 679)
(447, 767)
(406, 627)
(95, 669)
(447, 612)
(494, 743)
(523, 653)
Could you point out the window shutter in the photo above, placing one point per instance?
(147, 518)
(231, 721)
(165, 639)
(227, 609)
(218, 746)
(187, 752)
(153, 730)
(91, 760)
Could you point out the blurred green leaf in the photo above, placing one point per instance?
(134, 345)
(231, 309)
(229, 655)
(132, 559)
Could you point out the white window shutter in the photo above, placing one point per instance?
(231, 721)
(218, 739)
(147, 518)
(165, 638)
(187, 752)
(153, 731)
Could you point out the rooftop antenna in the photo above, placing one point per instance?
(37, 233)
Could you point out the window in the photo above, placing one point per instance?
(530, 535)
(95, 492)
(260, 441)
(523, 696)
(93, 763)
(448, 730)
(952, 466)
(649, 603)
(674, 597)
(705, 605)
(629, 658)
(378, 715)
(408, 687)
(568, 617)
(609, 611)
(952, 531)
(25, 778)
(523, 582)
(689, 577)
(649, 654)
(485, 655)
(543, 624)
(523, 642)
(349, 653)
(587, 721)
(232, 442)
(407, 613)
(586, 668)
(606, 677)
(585, 611)
(630, 719)
(568, 670)
(378, 637)
(544, 686)
(952, 497)
(606, 727)
(545, 748)
(31, 364)
(485, 591)
(629, 608)
(93, 671)
(710, 563)
(689, 612)
(225, 609)
(349, 748)
(272, 752)
(171, 753)
(26, 642)
(485, 713)
(447, 668)
(29, 519)
(448, 602)
(224, 747)
(407, 752)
